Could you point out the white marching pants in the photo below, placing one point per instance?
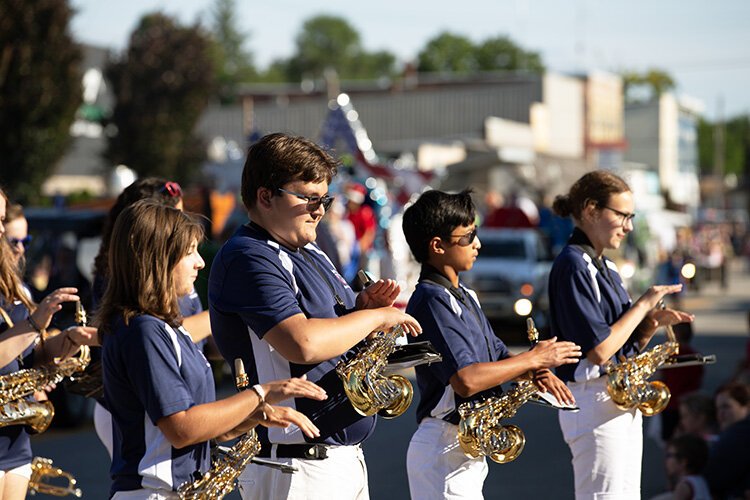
(341, 476)
(606, 443)
(437, 466)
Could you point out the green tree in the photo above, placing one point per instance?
(502, 54)
(452, 53)
(736, 145)
(162, 85)
(329, 42)
(448, 53)
(649, 85)
(232, 63)
(40, 91)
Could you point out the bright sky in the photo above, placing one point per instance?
(704, 44)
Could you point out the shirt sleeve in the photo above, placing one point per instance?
(154, 371)
(259, 291)
(448, 334)
(580, 317)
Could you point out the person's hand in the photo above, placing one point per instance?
(656, 293)
(82, 335)
(282, 416)
(382, 293)
(668, 317)
(550, 353)
(391, 317)
(547, 381)
(279, 390)
(53, 303)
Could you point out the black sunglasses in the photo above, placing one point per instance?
(172, 189)
(23, 241)
(313, 202)
(466, 239)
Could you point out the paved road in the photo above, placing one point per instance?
(543, 470)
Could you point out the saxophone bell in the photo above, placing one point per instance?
(42, 472)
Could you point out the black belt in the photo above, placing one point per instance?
(311, 451)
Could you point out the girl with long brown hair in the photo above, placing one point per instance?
(157, 384)
(24, 344)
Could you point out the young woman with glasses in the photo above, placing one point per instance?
(590, 306)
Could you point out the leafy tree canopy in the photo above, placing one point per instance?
(736, 145)
(645, 86)
(162, 85)
(233, 64)
(453, 53)
(328, 42)
(40, 91)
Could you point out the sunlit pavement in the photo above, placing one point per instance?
(542, 470)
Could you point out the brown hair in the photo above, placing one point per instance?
(148, 240)
(277, 159)
(146, 188)
(11, 287)
(737, 391)
(596, 186)
(13, 211)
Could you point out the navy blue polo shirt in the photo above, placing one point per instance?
(255, 284)
(152, 370)
(586, 297)
(15, 445)
(460, 331)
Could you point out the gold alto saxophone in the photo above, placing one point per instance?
(368, 390)
(14, 387)
(220, 480)
(627, 381)
(480, 431)
(42, 471)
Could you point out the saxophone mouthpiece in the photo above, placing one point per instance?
(531, 332)
(240, 379)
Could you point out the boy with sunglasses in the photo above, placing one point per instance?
(277, 302)
(442, 235)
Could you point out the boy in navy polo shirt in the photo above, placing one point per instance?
(442, 236)
(277, 301)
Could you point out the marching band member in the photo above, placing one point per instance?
(23, 344)
(590, 306)
(277, 302)
(157, 384)
(442, 236)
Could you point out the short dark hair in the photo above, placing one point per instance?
(693, 450)
(738, 391)
(436, 214)
(596, 186)
(277, 159)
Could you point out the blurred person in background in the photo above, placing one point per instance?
(24, 343)
(685, 458)
(590, 306)
(681, 381)
(157, 383)
(728, 468)
(697, 416)
(196, 320)
(362, 217)
(732, 404)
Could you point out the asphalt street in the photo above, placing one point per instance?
(542, 470)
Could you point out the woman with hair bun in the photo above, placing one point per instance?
(589, 305)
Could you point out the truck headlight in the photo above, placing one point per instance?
(523, 307)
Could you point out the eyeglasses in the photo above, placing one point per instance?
(626, 217)
(467, 239)
(172, 189)
(23, 241)
(313, 202)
